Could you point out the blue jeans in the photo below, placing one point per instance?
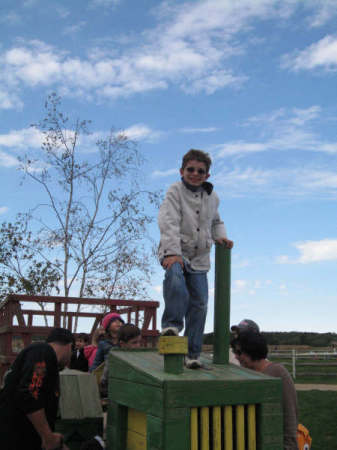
(186, 296)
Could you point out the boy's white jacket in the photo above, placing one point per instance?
(189, 222)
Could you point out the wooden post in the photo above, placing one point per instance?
(173, 348)
(222, 304)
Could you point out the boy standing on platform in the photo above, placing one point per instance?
(189, 223)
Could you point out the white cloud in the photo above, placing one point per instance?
(165, 173)
(321, 54)
(7, 160)
(283, 182)
(3, 209)
(282, 129)
(198, 130)
(191, 46)
(313, 251)
(22, 139)
(75, 28)
(141, 132)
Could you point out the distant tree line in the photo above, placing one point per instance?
(291, 338)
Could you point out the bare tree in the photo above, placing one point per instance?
(21, 270)
(94, 219)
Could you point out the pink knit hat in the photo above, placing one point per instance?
(109, 318)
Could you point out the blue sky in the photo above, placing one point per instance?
(252, 82)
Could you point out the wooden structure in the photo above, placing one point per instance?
(18, 326)
(80, 410)
(157, 404)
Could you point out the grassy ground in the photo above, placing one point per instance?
(318, 412)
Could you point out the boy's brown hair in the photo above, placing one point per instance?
(197, 155)
(127, 332)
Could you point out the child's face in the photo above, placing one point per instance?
(132, 343)
(79, 344)
(194, 173)
(115, 326)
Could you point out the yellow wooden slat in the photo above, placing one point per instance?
(240, 427)
(204, 428)
(251, 427)
(137, 428)
(194, 429)
(228, 427)
(135, 441)
(217, 428)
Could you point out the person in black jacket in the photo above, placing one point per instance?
(29, 398)
(78, 360)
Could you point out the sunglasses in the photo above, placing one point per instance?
(194, 169)
(237, 352)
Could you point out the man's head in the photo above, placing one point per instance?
(129, 336)
(249, 348)
(62, 341)
(195, 167)
(82, 339)
(245, 325)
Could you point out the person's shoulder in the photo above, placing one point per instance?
(175, 187)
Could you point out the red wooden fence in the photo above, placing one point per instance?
(15, 336)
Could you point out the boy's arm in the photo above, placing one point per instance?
(169, 219)
(219, 231)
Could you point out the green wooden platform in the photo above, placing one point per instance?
(137, 381)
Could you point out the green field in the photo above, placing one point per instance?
(318, 412)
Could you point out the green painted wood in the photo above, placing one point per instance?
(138, 396)
(222, 286)
(176, 430)
(116, 429)
(218, 393)
(174, 363)
(154, 432)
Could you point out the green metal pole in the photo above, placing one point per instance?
(222, 285)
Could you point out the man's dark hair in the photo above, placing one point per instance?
(252, 344)
(60, 336)
(83, 336)
(197, 155)
(127, 332)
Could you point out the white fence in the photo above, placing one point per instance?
(298, 358)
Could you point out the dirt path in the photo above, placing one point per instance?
(318, 387)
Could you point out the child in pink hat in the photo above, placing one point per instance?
(111, 323)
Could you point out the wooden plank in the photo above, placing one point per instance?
(116, 428)
(228, 427)
(251, 419)
(217, 428)
(70, 402)
(140, 367)
(135, 441)
(137, 421)
(89, 395)
(138, 396)
(194, 429)
(173, 345)
(176, 433)
(240, 427)
(217, 393)
(155, 427)
(204, 428)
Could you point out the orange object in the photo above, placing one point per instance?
(303, 438)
